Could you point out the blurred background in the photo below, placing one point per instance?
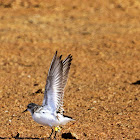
(102, 93)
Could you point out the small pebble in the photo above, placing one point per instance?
(94, 101)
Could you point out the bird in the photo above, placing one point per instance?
(51, 112)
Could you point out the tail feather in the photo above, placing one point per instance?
(66, 119)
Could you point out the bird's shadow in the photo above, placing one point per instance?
(136, 83)
(68, 136)
(17, 137)
(64, 136)
(21, 138)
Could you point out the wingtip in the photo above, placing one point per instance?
(60, 57)
(56, 53)
(70, 56)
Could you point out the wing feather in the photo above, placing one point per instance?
(56, 81)
(66, 68)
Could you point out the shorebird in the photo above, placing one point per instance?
(50, 113)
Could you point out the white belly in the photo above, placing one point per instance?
(50, 119)
(46, 119)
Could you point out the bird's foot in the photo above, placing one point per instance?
(57, 129)
(49, 138)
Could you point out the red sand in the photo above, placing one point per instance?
(104, 40)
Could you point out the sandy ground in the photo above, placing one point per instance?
(103, 90)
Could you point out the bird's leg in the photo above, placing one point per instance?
(55, 134)
(57, 129)
(51, 133)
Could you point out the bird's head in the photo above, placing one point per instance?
(30, 108)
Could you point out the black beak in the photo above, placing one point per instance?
(24, 111)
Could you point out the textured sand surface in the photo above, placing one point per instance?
(103, 90)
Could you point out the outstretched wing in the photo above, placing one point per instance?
(66, 67)
(56, 81)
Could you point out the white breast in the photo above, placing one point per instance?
(46, 118)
